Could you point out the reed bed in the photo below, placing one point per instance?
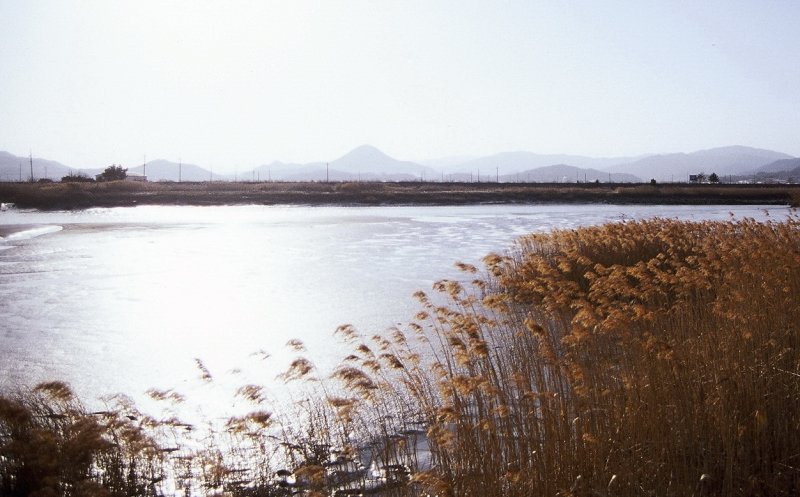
(639, 358)
(643, 358)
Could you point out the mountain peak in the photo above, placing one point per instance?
(368, 158)
(365, 153)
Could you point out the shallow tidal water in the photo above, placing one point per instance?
(124, 299)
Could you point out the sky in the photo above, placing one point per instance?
(236, 84)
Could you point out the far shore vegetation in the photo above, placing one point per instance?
(639, 358)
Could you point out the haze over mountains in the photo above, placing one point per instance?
(367, 163)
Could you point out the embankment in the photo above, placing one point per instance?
(50, 196)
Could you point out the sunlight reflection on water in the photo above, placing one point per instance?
(125, 299)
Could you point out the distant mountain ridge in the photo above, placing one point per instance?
(563, 173)
(367, 163)
(784, 170)
(735, 160)
(515, 162)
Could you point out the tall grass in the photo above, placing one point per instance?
(640, 358)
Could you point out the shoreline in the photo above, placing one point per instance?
(71, 196)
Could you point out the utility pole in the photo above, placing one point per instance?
(327, 173)
(20, 172)
(180, 166)
(144, 166)
(30, 157)
(497, 174)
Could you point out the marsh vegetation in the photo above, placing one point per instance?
(655, 357)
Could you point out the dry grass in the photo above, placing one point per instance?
(642, 358)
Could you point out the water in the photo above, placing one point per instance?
(125, 299)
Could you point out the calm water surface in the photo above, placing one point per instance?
(125, 299)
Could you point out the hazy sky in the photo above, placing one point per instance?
(236, 84)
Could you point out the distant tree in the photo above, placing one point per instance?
(113, 173)
(713, 178)
(653, 181)
(76, 178)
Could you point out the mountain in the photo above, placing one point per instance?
(163, 170)
(723, 161)
(367, 159)
(510, 163)
(11, 165)
(562, 173)
(365, 163)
